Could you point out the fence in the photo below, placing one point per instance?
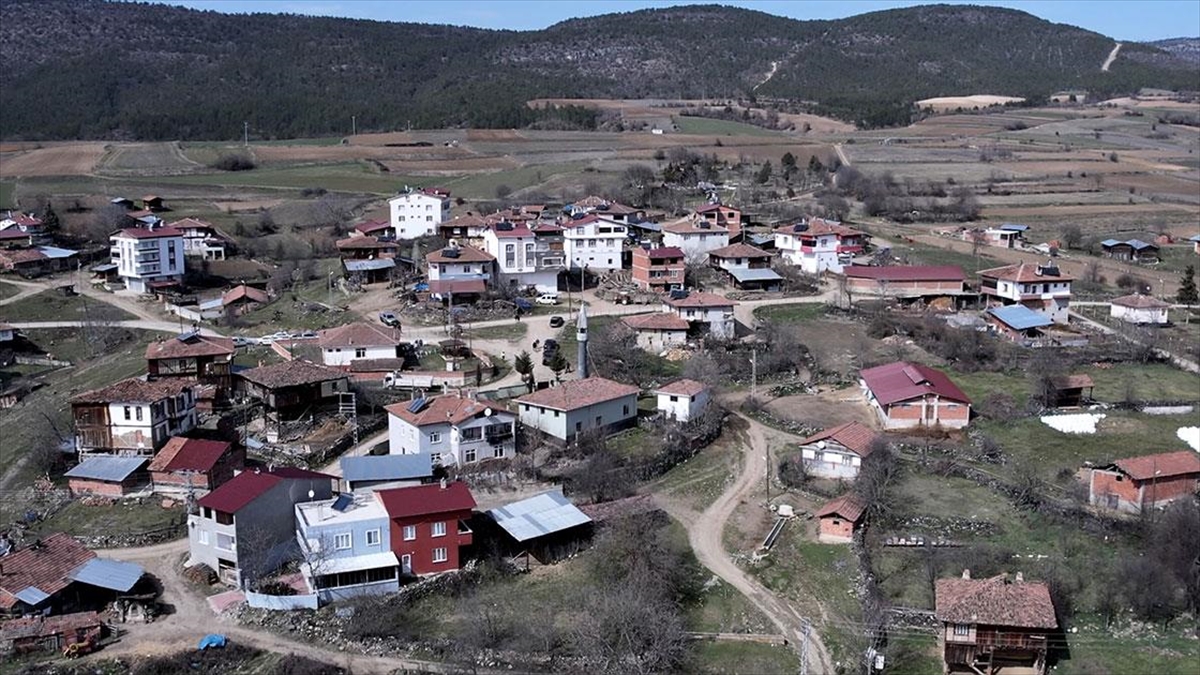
(40, 361)
(281, 602)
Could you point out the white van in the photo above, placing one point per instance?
(547, 299)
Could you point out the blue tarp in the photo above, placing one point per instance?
(212, 640)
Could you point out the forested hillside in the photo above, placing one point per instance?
(87, 69)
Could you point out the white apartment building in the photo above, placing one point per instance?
(695, 237)
(418, 213)
(453, 429)
(594, 242)
(524, 258)
(148, 258)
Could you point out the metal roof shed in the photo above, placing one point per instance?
(114, 575)
(1020, 317)
(538, 516)
(111, 469)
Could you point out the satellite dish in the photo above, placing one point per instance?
(487, 412)
(821, 445)
(311, 494)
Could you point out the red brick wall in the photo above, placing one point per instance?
(953, 417)
(84, 486)
(835, 529)
(1167, 489)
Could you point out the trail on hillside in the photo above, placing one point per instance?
(1112, 56)
(770, 74)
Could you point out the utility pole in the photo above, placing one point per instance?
(754, 372)
(804, 649)
(246, 134)
(354, 125)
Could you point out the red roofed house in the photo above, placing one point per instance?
(57, 575)
(906, 282)
(373, 228)
(241, 299)
(838, 452)
(658, 269)
(911, 395)
(705, 312)
(657, 331)
(1138, 483)
(192, 464)
(838, 519)
(746, 266)
(816, 245)
(988, 624)
(454, 429)
(246, 527)
(576, 406)
(202, 239)
(356, 341)
(594, 242)
(365, 248)
(148, 258)
(192, 356)
(459, 270)
(134, 416)
(724, 216)
(429, 525)
(695, 236)
(683, 400)
(1042, 288)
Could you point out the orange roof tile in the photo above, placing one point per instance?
(576, 394)
(995, 602)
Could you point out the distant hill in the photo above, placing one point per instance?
(88, 69)
(1186, 49)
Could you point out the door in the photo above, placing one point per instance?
(406, 563)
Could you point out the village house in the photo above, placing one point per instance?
(453, 429)
(379, 229)
(24, 229)
(1132, 250)
(695, 237)
(374, 472)
(7, 333)
(1019, 324)
(366, 248)
(39, 260)
(107, 476)
(524, 258)
(838, 452)
(52, 634)
(594, 242)
(991, 624)
(723, 216)
(293, 387)
(1140, 309)
(576, 406)
(202, 239)
(369, 271)
(245, 528)
(134, 416)
(908, 283)
(1072, 391)
(1195, 239)
(58, 575)
(609, 209)
(207, 359)
(546, 526)
(346, 546)
(343, 345)
(465, 230)
(1007, 235)
(658, 330)
(148, 258)
(816, 245)
(659, 269)
(1042, 288)
(746, 266)
(242, 299)
(462, 271)
(193, 465)
(1138, 483)
(838, 519)
(706, 313)
(428, 526)
(418, 213)
(683, 400)
(910, 395)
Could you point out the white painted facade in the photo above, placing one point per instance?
(681, 407)
(418, 214)
(470, 441)
(594, 242)
(829, 459)
(142, 260)
(810, 259)
(563, 425)
(1139, 315)
(719, 320)
(344, 356)
(140, 428)
(458, 270)
(657, 339)
(524, 261)
(1050, 297)
(698, 242)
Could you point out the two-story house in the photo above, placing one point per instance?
(989, 622)
(683, 400)
(25, 228)
(418, 213)
(694, 236)
(346, 544)
(576, 406)
(202, 239)
(134, 416)
(594, 242)
(193, 465)
(352, 342)
(705, 312)
(429, 526)
(207, 359)
(148, 258)
(452, 428)
(838, 452)
(721, 215)
(606, 208)
(816, 245)
(465, 230)
(659, 269)
(293, 387)
(911, 395)
(1042, 288)
(459, 270)
(525, 259)
(246, 528)
(746, 266)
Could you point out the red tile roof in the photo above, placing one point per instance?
(688, 226)
(1022, 273)
(466, 220)
(245, 292)
(291, 374)
(847, 506)
(421, 500)
(739, 251)
(1139, 301)
(361, 243)
(995, 602)
(196, 345)
(134, 390)
(25, 220)
(655, 321)
(1165, 465)
(577, 394)
(22, 256)
(451, 409)
(358, 335)
(855, 437)
(372, 226)
(192, 223)
(46, 626)
(466, 254)
(663, 252)
(146, 233)
(684, 387)
(818, 226)
(247, 486)
(45, 567)
(14, 233)
(699, 299)
(902, 381)
(710, 208)
(188, 454)
(907, 273)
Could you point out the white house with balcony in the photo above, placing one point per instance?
(838, 452)
(816, 245)
(695, 237)
(418, 213)
(148, 257)
(453, 429)
(202, 239)
(1042, 288)
(133, 416)
(706, 312)
(594, 242)
(346, 546)
(523, 257)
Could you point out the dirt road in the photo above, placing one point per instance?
(27, 289)
(837, 147)
(705, 533)
(1112, 56)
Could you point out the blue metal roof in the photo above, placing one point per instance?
(765, 274)
(368, 265)
(32, 595)
(56, 252)
(1139, 244)
(114, 469)
(1013, 227)
(543, 514)
(1109, 242)
(387, 467)
(111, 574)
(1019, 317)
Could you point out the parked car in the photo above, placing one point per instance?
(240, 341)
(389, 319)
(556, 322)
(307, 335)
(547, 299)
(266, 339)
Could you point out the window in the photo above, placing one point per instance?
(439, 529)
(360, 352)
(127, 413)
(429, 219)
(436, 458)
(435, 437)
(674, 399)
(469, 455)
(224, 518)
(599, 420)
(498, 451)
(439, 555)
(556, 413)
(204, 537)
(138, 412)
(625, 409)
(472, 434)
(401, 219)
(226, 542)
(373, 537)
(410, 532)
(343, 541)
(961, 629)
(510, 255)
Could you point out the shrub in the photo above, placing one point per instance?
(233, 162)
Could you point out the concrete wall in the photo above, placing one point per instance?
(343, 356)
(658, 340)
(421, 214)
(697, 243)
(683, 408)
(281, 602)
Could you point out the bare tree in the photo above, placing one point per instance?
(104, 222)
(878, 477)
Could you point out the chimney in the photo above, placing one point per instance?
(1020, 577)
(966, 574)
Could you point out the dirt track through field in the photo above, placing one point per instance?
(69, 159)
(1112, 56)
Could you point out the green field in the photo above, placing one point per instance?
(794, 313)
(509, 331)
(53, 306)
(357, 177)
(704, 126)
(8, 290)
(744, 658)
(483, 185)
(8, 195)
(80, 519)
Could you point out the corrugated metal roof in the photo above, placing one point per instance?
(369, 561)
(1013, 227)
(31, 595)
(56, 252)
(1019, 317)
(537, 516)
(743, 275)
(369, 265)
(114, 575)
(387, 467)
(114, 469)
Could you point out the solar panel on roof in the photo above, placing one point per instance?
(415, 406)
(343, 502)
(189, 335)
